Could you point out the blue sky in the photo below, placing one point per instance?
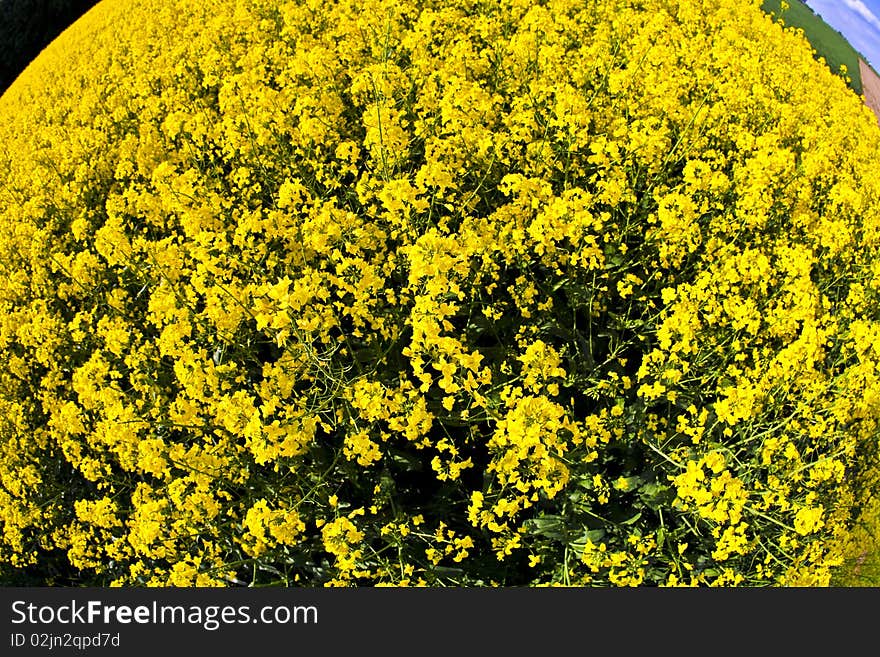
(857, 20)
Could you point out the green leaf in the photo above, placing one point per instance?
(654, 494)
(550, 526)
(591, 535)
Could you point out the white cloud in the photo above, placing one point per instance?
(864, 11)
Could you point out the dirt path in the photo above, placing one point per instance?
(870, 87)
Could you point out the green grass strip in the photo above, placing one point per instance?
(826, 41)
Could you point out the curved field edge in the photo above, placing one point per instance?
(827, 42)
(28, 26)
(80, 181)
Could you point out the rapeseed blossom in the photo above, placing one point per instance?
(435, 293)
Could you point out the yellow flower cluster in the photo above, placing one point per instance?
(408, 293)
